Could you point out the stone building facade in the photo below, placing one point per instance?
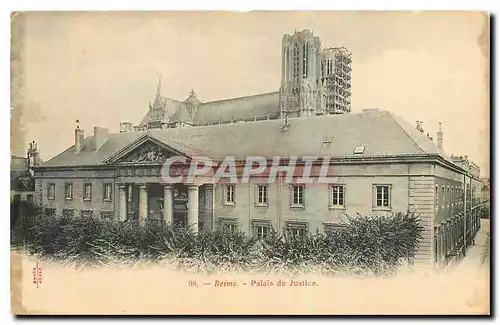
(386, 168)
(376, 163)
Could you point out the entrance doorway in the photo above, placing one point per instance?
(155, 201)
(180, 201)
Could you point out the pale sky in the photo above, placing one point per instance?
(102, 68)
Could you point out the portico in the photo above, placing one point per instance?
(144, 193)
(177, 204)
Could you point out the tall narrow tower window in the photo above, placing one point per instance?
(296, 62)
(287, 62)
(305, 51)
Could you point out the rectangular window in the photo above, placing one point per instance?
(106, 192)
(50, 211)
(29, 198)
(261, 231)
(382, 196)
(436, 198)
(297, 199)
(51, 191)
(296, 232)
(68, 191)
(443, 197)
(230, 224)
(87, 192)
(436, 244)
(261, 228)
(68, 212)
(86, 213)
(261, 195)
(296, 229)
(107, 214)
(229, 194)
(337, 195)
(448, 196)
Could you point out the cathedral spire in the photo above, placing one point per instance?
(159, 84)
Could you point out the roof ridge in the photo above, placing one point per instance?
(240, 97)
(172, 99)
(397, 119)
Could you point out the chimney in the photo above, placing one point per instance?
(420, 127)
(33, 156)
(440, 138)
(78, 138)
(126, 127)
(100, 137)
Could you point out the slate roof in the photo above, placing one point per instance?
(381, 133)
(241, 108)
(172, 109)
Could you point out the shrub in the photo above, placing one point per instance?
(361, 245)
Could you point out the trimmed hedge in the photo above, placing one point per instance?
(362, 245)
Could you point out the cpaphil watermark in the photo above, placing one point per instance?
(300, 170)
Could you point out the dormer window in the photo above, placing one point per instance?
(359, 150)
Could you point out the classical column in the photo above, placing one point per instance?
(193, 207)
(122, 199)
(209, 206)
(143, 203)
(167, 204)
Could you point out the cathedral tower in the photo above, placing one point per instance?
(336, 80)
(313, 81)
(300, 64)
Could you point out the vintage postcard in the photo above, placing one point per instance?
(271, 163)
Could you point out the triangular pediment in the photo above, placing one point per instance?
(145, 150)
